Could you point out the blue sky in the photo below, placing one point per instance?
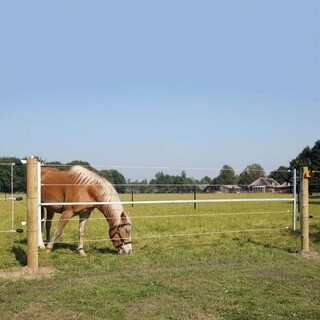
(187, 84)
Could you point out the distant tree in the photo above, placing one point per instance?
(227, 176)
(119, 181)
(115, 178)
(179, 180)
(315, 156)
(303, 159)
(161, 178)
(80, 163)
(282, 175)
(184, 182)
(138, 187)
(54, 163)
(162, 182)
(5, 177)
(315, 166)
(107, 175)
(170, 184)
(250, 174)
(244, 178)
(206, 180)
(310, 157)
(19, 175)
(143, 188)
(57, 164)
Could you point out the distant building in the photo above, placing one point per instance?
(285, 188)
(264, 184)
(207, 188)
(230, 189)
(223, 188)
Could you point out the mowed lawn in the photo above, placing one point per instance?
(230, 260)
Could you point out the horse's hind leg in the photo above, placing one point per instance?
(65, 217)
(42, 218)
(83, 218)
(49, 218)
(40, 241)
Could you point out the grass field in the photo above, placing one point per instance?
(220, 261)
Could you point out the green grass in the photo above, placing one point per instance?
(220, 261)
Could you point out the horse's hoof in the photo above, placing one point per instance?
(81, 252)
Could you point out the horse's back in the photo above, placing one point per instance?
(52, 176)
(63, 186)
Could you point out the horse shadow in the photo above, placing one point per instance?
(64, 246)
(74, 248)
(284, 248)
(315, 236)
(20, 253)
(105, 250)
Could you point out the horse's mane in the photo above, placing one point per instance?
(108, 192)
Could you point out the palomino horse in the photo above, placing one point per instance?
(82, 185)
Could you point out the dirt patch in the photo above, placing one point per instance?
(168, 307)
(26, 273)
(44, 311)
(314, 255)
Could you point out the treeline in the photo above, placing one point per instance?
(170, 183)
(19, 173)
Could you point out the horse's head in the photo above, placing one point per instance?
(121, 235)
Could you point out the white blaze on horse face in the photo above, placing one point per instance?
(125, 249)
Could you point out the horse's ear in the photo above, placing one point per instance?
(123, 215)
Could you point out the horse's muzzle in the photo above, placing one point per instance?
(125, 249)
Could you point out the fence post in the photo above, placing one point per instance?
(294, 207)
(132, 196)
(32, 210)
(304, 212)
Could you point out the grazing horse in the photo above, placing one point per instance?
(82, 185)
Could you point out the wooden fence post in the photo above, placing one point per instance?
(304, 206)
(32, 211)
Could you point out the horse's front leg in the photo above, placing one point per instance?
(65, 217)
(83, 218)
